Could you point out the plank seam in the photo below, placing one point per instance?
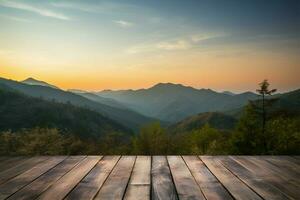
(193, 176)
(36, 177)
(83, 176)
(123, 196)
(265, 178)
(241, 180)
(107, 177)
(26, 170)
(217, 178)
(61, 177)
(172, 177)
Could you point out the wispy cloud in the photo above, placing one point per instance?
(201, 37)
(30, 8)
(174, 45)
(123, 24)
(15, 18)
(104, 7)
(76, 6)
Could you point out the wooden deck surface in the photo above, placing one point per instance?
(150, 177)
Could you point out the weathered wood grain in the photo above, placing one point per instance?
(20, 168)
(235, 186)
(186, 186)
(162, 183)
(35, 188)
(115, 185)
(146, 177)
(268, 175)
(140, 180)
(65, 184)
(9, 162)
(210, 186)
(92, 182)
(284, 174)
(263, 188)
(285, 166)
(16, 183)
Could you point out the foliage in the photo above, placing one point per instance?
(152, 140)
(18, 111)
(264, 91)
(283, 138)
(44, 141)
(57, 129)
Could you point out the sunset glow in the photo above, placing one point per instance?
(95, 45)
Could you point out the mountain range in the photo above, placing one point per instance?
(174, 102)
(19, 111)
(174, 105)
(128, 118)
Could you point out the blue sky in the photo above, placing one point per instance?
(61, 40)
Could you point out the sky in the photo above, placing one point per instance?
(95, 45)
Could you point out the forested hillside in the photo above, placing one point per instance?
(18, 111)
(125, 117)
(214, 119)
(31, 126)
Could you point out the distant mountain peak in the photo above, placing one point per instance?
(168, 84)
(229, 93)
(32, 81)
(77, 91)
(248, 93)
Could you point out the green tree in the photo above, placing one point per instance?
(206, 140)
(246, 138)
(285, 134)
(41, 141)
(152, 140)
(113, 143)
(9, 143)
(264, 91)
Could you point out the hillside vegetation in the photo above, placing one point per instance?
(34, 126)
(125, 117)
(214, 119)
(18, 112)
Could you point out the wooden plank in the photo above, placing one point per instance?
(20, 168)
(208, 183)
(260, 186)
(139, 184)
(115, 185)
(268, 175)
(90, 185)
(234, 185)
(293, 184)
(11, 162)
(162, 183)
(284, 174)
(285, 166)
(186, 186)
(64, 185)
(13, 185)
(34, 189)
